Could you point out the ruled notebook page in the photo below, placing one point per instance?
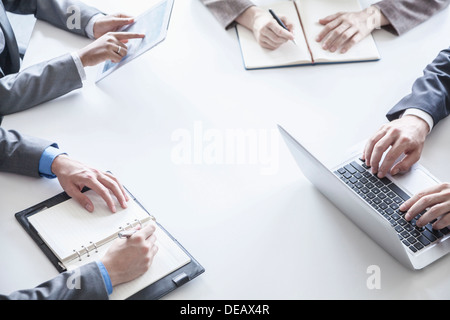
(68, 226)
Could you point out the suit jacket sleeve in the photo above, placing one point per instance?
(37, 84)
(404, 15)
(56, 12)
(85, 283)
(226, 11)
(20, 153)
(431, 92)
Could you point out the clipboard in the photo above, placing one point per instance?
(154, 291)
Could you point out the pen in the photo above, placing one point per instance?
(126, 234)
(280, 22)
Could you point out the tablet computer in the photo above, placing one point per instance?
(154, 24)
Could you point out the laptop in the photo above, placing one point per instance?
(372, 203)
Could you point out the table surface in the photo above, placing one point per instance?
(194, 137)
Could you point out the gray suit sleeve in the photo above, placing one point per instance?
(85, 283)
(431, 92)
(37, 84)
(403, 15)
(226, 11)
(55, 12)
(20, 153)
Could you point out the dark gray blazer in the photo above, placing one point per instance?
(44, 81)
(21, 154)
(431, 92)
(91, 287)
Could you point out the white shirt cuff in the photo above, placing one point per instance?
(90, 26)
(79, 64)
(422, 115)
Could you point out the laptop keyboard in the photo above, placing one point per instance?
(386, 197)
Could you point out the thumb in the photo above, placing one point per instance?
(120, 22)
(405, 164)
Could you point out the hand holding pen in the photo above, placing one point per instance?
(268, 32)
(280, 22)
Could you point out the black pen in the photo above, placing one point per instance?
(280, 22)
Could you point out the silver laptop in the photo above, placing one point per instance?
(372, 204)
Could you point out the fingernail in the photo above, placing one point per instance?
(88, 207)
(343, 51)
(114, 208)
(317, 39)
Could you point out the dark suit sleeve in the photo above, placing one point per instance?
(431, 92)
(226, 11)
(403, 15)
(85, 283)
(20, 153)
(37, 84)
(53, 11)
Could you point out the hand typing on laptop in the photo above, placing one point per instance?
(403, 136)
(437, 200)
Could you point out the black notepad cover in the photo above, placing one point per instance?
(152, 292)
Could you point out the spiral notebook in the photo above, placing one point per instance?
(305, 15)
(72, 236)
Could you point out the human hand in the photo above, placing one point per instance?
(405, 136)
(110, 46)
(344, 29)
(268, 33)
(130, 258)
(111, 23)
(74, 176)
(437, 199)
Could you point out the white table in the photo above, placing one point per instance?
(258, 226)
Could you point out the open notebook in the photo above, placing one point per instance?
(77, 237)
(305, 15)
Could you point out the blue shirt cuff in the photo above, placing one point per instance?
(45, 163)
(105, 276)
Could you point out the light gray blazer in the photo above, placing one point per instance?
(46, 80)
(402, 14)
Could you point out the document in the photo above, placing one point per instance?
(154, 24)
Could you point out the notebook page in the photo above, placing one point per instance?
(287, 54)
(313, 10)
(68, 226)
(170, 257)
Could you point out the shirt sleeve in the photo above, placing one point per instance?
(45, 163)
(90, 26)
(422, 115)
(105, 276)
